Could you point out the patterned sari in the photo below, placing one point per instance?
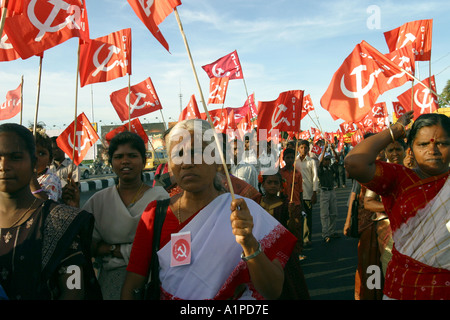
(419, 213)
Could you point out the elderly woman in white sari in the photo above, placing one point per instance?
(235, 249)
(117, 211)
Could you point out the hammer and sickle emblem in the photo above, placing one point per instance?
(47, 25)
(360, 90)
(219, 72)
(425, 103)
(101, 66)
(135, 106)
(80, 147)
(275, 117)
(3, 44)
(181, 251)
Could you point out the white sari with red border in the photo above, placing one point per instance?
(216, 267)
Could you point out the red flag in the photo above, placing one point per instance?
(244, 126)
(12, 106)
(283, 113)
(424, 101)
(135, 126)
(307, 105)
(305, 135)
(403, 58)
(399, 109)
(191, 111)
(227, 66)
(14, 6)
(347, 127)
(217, 90)
(357, 137)
(358, 83)
(105, 58)
(85, 138)
(142, 99)
(316, 149)
(7, 51)
(418, 33)
(152, 13)
(219, 118)
(46, 24)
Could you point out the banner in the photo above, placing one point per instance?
(135, 126)
(12, 106)
(423, 100)
(105, 58)
(361, 79)
(191, 111)
(85, 138)
(227, 66)
(46, 24)
(152, 13)
(283, 114)
(217, 90)
(416, 33)
(141, 99)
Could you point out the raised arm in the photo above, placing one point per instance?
(360, 161)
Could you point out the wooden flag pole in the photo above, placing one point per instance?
(129, 103)
(21, 100)
(38, 94)
(164, 121)
(208, 116)
(2, 22)
(293, 174)
(75, 120)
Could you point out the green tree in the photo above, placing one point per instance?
(445, 94)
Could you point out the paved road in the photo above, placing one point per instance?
(329, 268)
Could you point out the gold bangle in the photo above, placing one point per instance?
(392, 134)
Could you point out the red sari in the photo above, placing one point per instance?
(406, 198)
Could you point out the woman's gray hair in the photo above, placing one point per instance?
(199, 128)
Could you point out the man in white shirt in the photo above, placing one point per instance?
(308, 168)
(242, 170)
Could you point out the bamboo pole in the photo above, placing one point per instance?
(129, 102)
(208, 116)
(293, 173)
(38, 94)
(21, 101)
(75, 120)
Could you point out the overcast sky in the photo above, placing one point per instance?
(282, 45)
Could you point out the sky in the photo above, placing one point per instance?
(282, 45)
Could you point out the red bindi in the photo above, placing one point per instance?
(432, 140)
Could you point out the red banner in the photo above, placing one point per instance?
(46, 24)
(227, 66)
(357, 84)
(12, 106)
(135, 126)
(217, 90)
(7, 51)
(283, 113)
(307, 105)
(191, 111)
(152, 13)
(417, 33)
(140, 99)
(85, 138)
(13, 6)
(105, 58)
(420, 98)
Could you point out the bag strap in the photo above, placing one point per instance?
(160, 215)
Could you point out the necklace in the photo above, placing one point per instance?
(136, 195)
(23, 215)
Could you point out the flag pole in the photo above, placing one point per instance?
(129, 102)
(38, 93)
(293, 174)
(208, 116)
(164, 121)
(21, 100)
(76, 111)
(2, 23)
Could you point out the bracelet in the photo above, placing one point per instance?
(37, 191)
(252, 255)
(392, 134)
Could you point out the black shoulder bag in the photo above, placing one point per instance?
(354, 233)
(152, 288)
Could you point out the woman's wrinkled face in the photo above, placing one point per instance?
(15, 163)
(431, 150)
(187, 164)
(395, 153)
